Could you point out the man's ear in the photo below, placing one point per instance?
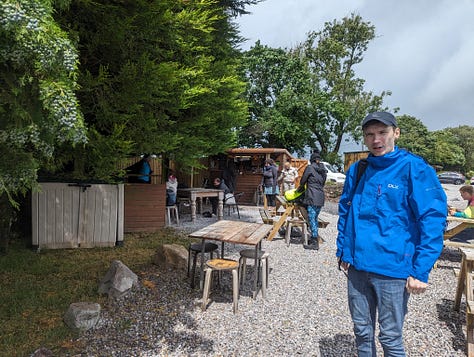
(396, 132)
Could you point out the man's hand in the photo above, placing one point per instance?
(415, 286)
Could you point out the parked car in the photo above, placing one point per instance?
(452, 177)
(332, 174)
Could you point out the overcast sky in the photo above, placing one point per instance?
(423, 51)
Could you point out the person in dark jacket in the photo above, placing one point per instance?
(270, 182)
(218, 184)
(314, 177)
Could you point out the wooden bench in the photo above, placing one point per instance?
(292, 210)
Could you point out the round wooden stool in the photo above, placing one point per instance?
(195, 249)
(221, 265)
(296, 222)
(263, 262)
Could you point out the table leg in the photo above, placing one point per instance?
(193, 209)
(220, 208)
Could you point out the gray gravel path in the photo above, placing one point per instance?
(305, 312)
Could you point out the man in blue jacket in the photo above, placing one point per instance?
(390, 228)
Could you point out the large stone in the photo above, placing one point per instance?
(118, 280)
(171, 255)
(82, 316)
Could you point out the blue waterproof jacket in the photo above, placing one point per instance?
(392, 223)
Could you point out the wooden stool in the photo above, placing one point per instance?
(221, 265)
(263, 262)
(172, 212)
(295, 222)
(195, 249)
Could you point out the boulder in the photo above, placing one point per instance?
(82, 316)
(118, 280)
(172, 255)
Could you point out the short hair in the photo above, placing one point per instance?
(467, 188)
(269, 161)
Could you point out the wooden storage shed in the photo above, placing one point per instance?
(73, 215)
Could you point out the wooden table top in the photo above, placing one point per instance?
(237, 232)
(460, 219)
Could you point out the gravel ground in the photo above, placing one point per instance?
(305, 312)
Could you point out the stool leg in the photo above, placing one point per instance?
(176, 215)
(244, 269)
(267, 267)
(304, 230)
(207, 286)
(288, 234)
(193, 272)
(235, 288)
(264, 278)
(240, 271)
(168, 213)
(189, 261)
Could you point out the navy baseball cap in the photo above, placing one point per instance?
(383, 117)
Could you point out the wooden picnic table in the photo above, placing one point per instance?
(197, 192)
(458, 225)
(236, 232)
(465, 285)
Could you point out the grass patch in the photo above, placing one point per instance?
(37, 288)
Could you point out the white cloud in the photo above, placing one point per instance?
(423, 51)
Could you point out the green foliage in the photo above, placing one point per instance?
(438, 148)
(276, 79)
(415, 137)
(157, 77)
(464, 138)
(37, 102)
(310, 96)
(446, 151)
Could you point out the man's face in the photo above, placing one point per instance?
(216, 183)
(380, 138)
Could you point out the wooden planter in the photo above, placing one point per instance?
(145, 207)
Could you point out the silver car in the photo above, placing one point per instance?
(452, 177)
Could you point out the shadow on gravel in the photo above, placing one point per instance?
(454, 321)
(339, 345)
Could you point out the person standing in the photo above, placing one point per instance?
(270, 182)
(288, 176)
(390, 234)
(313, 179)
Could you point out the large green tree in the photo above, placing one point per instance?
(464, 138)
(157, 77)
(415, 137)
(276, 79)
(310, 95)
(333, 54)
(439, 148)
(38, 106)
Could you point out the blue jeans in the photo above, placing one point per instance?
(313, 213)
(368, 292)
